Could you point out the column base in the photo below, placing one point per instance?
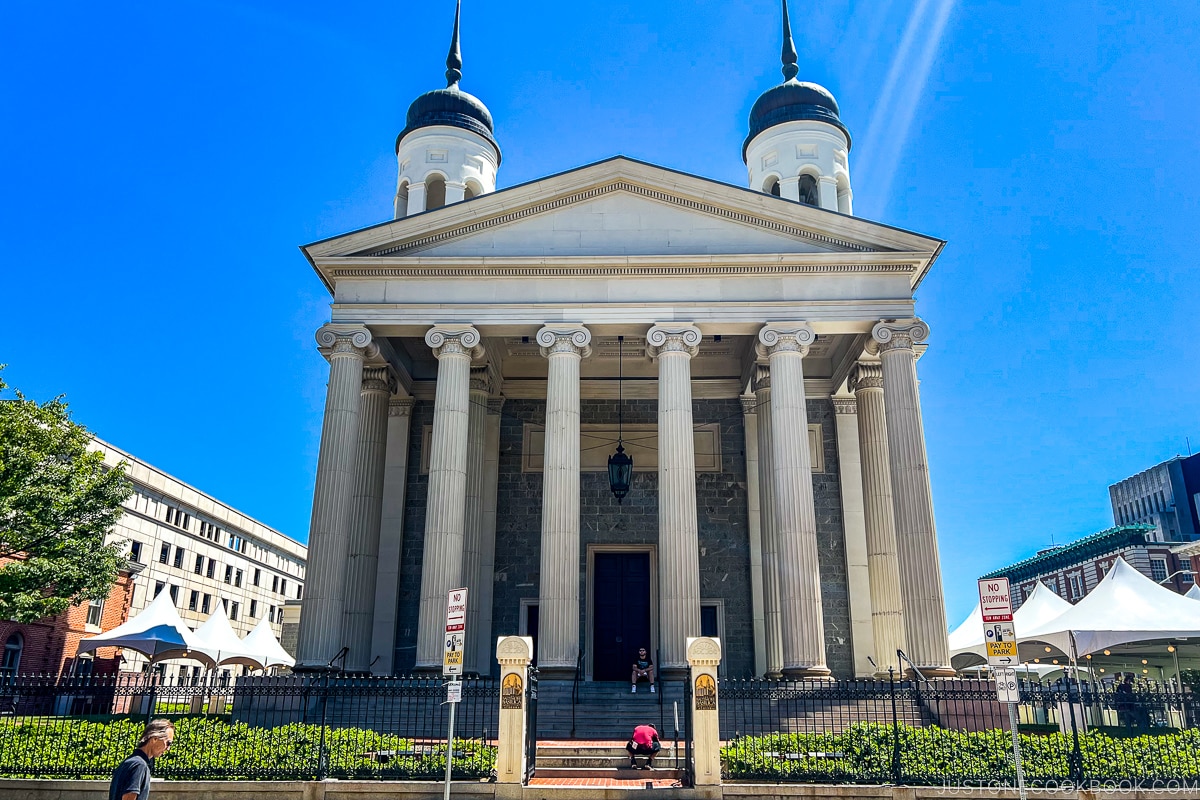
(671, 674)
(934, 672)
(316, 669)
(554, 672)
(773, 676)
(820, 673)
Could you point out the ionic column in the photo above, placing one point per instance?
(363, 562)
(487, 554)
(558, 595)
(887, 606)
(754, 530)
(442, 560)
(854, 534)
(678, 537)
(772, 630)
(473, 522)
(391, 536)
(320, 634)
(801, 613)
(912, 498)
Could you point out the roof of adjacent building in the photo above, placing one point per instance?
(1098, 544)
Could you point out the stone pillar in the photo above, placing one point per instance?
(473, 519)
(514, 654)
(416, 198)
(455, 193)
(854, 533)
(789, 188)
(320, 634)
(827, 192)
(391, 536)
(487, 555)
(442, 561)
(801, 614)
(673, 345)
(564, 346)
(887, 607)
(754, 532)
(912, 498)
(363, 562)
(704, 656)
(772, 631)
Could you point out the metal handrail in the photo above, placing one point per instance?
(575, 688)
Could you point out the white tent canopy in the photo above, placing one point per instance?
(1040, 607)
(1194, 592)
(222, 644)
(266, 648)
(1124, 607)
(157, 633)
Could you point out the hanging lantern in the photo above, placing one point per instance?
(620, 464)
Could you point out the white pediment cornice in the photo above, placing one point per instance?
(809, 239)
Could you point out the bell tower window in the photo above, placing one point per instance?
(772, 186)
(435, 192)
(808, 191)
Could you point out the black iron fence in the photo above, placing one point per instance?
(957, 733)
(266, 728)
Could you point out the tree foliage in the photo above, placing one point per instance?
(57, 503)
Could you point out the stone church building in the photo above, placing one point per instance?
(751, 349)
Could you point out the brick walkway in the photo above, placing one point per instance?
(603, 783)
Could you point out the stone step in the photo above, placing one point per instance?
(625, 773)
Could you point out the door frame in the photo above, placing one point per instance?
(590, 631)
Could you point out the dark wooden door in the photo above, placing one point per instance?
(621, 617)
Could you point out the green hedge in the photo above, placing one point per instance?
(213, 748)
(863, 754)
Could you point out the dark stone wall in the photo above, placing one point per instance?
(722, 517)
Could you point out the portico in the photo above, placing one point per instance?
(743, 316)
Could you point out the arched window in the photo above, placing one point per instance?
(402, 201)
(772, 186)
(473, 190)
(12, 654)
(843, 195)
(808, 191)
(435, 192)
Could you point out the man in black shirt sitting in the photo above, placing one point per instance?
(643, 667)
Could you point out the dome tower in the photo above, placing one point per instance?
(798, 147)
(447, 151)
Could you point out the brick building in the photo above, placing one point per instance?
(48, 646)
(1072, 570)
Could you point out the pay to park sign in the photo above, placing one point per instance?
(456, 632)
(999, 636)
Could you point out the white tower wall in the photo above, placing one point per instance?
(465, 161)
(788, 150)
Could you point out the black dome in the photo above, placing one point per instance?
(790, 101)
(453, 107)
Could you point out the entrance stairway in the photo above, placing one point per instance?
(607, 711)
(595, 763)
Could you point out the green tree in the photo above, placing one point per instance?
(57, 502)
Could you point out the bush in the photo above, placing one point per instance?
(863, 753)
(214, 748)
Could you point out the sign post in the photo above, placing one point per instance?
(452, 666)
(1000, 640)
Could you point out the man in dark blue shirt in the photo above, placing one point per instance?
(131, 781)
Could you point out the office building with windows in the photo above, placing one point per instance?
(1166, 496)
(204, 553)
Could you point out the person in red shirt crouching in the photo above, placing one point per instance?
(644, 743)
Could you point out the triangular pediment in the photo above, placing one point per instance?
(621, 208)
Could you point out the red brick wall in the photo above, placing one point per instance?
(51, 643)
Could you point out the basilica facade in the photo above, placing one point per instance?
(752, 349)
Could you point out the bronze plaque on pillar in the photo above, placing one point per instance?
(706, 693)
(512, 692)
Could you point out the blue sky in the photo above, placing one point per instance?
(161, 163)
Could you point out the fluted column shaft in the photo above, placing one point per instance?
(558, 594)
(442, 560)
(801, 612)
(320, 634)
(912, 498)
(363, 562)
(678, 535)
(887, 605)
(391, 536)
(770, 535)
(473, 521)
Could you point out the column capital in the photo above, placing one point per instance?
(845, 405)
(899, 334)
(378, 379)
(495, 405)
(784, 337)
(673, 338)
(865, 375)
(400, 407)
(481, 379)
(454, 340)
(749, 403)
(565, 339)
(354, 341)
(761, 380)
